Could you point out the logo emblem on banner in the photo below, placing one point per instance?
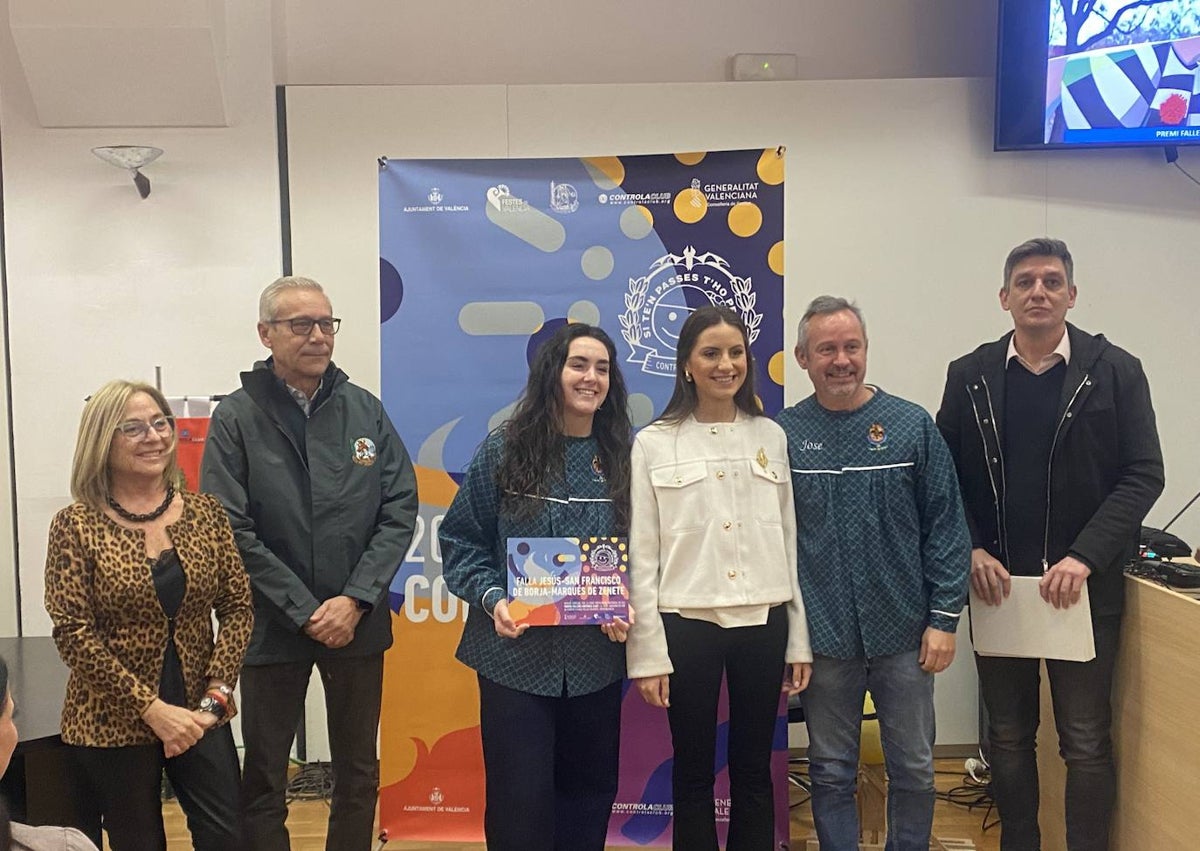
(563, 198)
(435, 196)
(501, 198)
(658, 304)
(364, 451)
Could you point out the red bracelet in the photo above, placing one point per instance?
(220, 698)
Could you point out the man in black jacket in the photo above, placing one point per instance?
(1054, 438)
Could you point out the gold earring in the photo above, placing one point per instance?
(687, 376)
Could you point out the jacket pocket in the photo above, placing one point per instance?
(767, 498)
(680, 491)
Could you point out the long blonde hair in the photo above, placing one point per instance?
(104, 411)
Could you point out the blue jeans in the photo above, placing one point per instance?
(833, 704)
(1081, 694)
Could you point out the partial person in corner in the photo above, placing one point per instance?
(549, 697)
(713, 552)
(323, 501)
(883, 555)
(1054, 438)
(23, 837)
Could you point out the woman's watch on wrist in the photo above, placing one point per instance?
(213, 705)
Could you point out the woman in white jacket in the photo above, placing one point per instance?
(713, 566)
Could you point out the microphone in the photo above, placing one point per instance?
(1157, 543)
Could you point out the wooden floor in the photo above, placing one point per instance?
(307, 823)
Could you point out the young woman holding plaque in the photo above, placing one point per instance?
(549, 697)
(713, 563)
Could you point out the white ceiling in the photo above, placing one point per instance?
(146, 63)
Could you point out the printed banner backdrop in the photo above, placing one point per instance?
(481, 260)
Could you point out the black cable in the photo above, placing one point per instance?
(1188, 175)
(313, 782)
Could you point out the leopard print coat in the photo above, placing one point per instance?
(111, 630)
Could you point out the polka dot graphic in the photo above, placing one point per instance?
(606, 172)
(775, 258)
(775, 368)
(770, 167)
(745, 219)
(690, 206)
(693, 158)
(586, 312)
(597, 262)
(637, 222)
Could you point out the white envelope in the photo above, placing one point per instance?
(1026, 625)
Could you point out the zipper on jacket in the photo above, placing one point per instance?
(1001, 527)
(1050, 469)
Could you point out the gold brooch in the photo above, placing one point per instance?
(761, 458)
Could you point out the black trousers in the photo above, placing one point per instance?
(272, 701)
(751, 658)
(551, 767)
(1081, 693)
(125, 787)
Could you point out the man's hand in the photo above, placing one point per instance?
(990, 581)
(334, 621)
(937, 650)
(655, 690)
(506, 627)
(175, 726)
(1062, 584)
(796, 677)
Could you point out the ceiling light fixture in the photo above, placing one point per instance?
(132, 158)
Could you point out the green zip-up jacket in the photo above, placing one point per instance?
(319, 507)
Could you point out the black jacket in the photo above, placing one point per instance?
(1106, 467)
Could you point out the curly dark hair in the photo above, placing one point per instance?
(534, 443)
(683, 399)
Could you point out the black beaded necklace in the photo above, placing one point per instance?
(143, 518)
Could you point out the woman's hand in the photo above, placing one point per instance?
(506, 627)
(796, 677)
(205, 719)
(655, 690)
(618, 630)
(175, 726)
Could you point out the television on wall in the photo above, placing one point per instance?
(1098, 73)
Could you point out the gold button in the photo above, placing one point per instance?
(712, 430)
(678, 480)
(720, 474)
(732, 574)
(726, 525)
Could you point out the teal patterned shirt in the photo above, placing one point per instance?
(548, 661)
(882, 544)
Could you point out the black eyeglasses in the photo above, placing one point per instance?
(138, 429)
(302, 325)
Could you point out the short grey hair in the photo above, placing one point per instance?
(1041, 246)
(823, 305)
(269, 300)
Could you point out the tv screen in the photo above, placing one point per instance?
(1097, 73)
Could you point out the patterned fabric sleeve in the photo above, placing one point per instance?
(469, 534)
(233, 605)
(68, 579)
(945, 540)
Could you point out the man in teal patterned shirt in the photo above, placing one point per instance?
(883, 556)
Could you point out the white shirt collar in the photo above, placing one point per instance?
(1061, 352)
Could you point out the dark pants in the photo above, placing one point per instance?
(751, 660)
(551, 766)
(1083, 715)
(125, 787)
(272, 701)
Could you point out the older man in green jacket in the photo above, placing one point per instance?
(323, 500)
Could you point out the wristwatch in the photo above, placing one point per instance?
(208, 703)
